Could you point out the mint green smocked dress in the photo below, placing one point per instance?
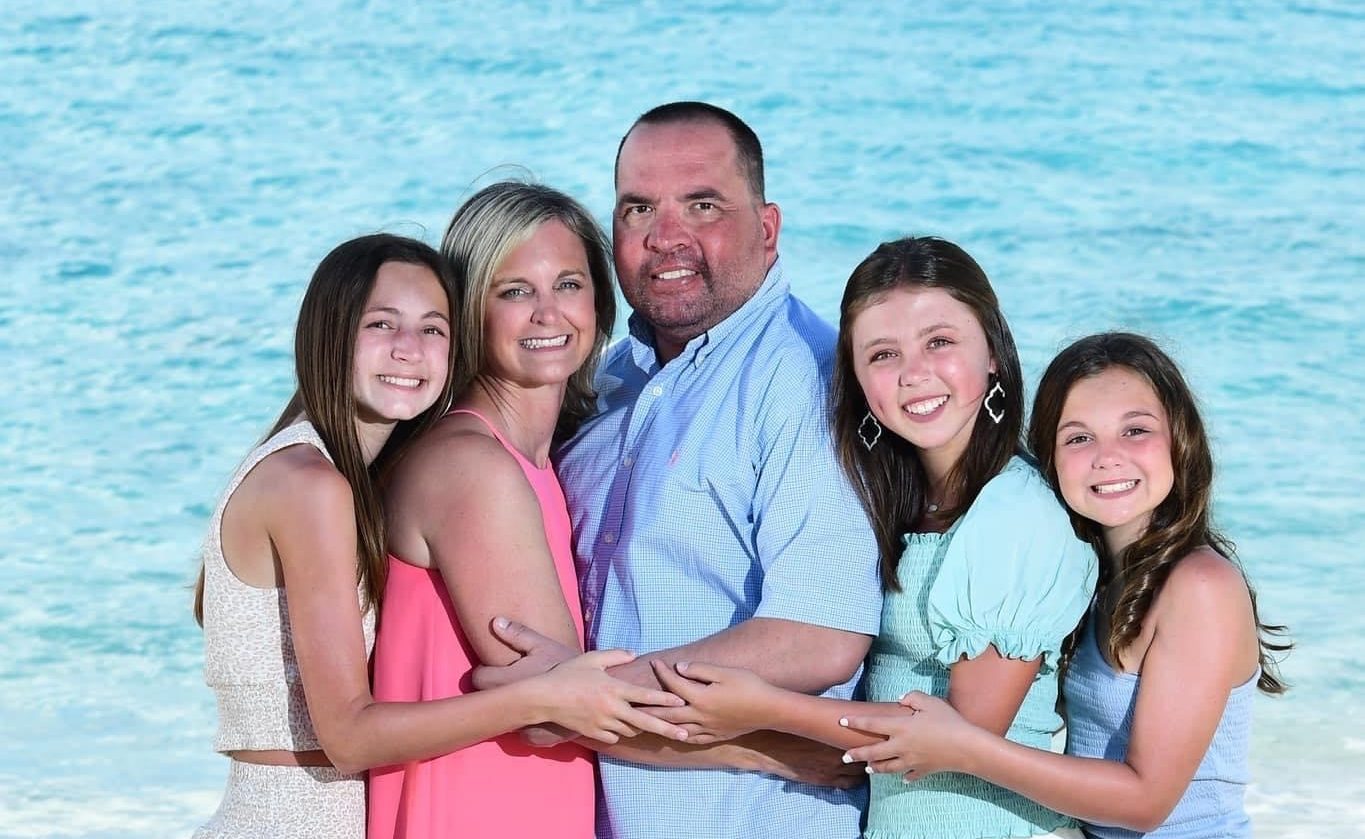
(1009, 572)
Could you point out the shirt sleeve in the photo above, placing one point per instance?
(1014, 574)
(812, 536)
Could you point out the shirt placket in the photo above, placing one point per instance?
(608, 550)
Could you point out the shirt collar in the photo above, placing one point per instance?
(772, 289)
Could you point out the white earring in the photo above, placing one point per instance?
(875, 433)
(995, 416)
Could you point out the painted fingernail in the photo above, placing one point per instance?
(843, 721)
(869, 770)
(847, 758)
(905, 779)
(500, 623)
(682, 666)
(682, 735)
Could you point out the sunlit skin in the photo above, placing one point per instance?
(1113, 453)
(402, 350)
(692, 241)
(540, 320)
(923, 363)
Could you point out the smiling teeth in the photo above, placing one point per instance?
(1121, 486)
(542, 343)
(400, 382)
(676, 274)
(928, 406)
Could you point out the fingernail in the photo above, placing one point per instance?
(682, 735)
(682, 666)
(847, 758)
(905, 780)
(500, 623)
(843, 721)
(869, 770)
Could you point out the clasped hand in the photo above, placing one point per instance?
(722, 702)
(917, 744)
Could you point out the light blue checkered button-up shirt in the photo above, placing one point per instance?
(704, 493)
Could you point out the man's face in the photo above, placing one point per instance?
(692, 242)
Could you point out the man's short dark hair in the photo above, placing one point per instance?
(747, 147)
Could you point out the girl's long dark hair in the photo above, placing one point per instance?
(1181, 524)
(890, 479)
(324, 351)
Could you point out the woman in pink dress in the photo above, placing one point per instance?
(477, 521)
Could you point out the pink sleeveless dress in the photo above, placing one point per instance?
(500, 787)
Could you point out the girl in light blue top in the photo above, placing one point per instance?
(1158, 693)
(983, 573)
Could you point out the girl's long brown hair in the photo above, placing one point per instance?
(1181, 524)
(890, 479)
(324, 351)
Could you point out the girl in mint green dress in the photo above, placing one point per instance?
(983, 574)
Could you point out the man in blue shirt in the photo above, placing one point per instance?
(711, 519)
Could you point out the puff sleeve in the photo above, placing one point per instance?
(1014, 574)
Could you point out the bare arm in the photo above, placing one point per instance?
(802, 657)
(310, 522)
(1203, 645)
(724, 702)
(466, 504)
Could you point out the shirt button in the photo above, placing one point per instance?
(627, 460)
(587, 615)
(657, 391)
(609, 538)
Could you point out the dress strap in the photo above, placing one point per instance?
(497, 435)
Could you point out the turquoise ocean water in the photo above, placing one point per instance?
(169, 178)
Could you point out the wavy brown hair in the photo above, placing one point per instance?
(483, 232)
(890, 479)
(1180, 524)
(324, 353)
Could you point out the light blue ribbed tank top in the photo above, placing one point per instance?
(1099, 705)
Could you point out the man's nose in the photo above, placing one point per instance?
(666, 233)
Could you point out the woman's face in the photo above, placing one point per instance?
(923, 363)
(540, 319)
(402, 351)
(1113, 453)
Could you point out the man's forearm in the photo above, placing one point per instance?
(798, 656)
(770, 752)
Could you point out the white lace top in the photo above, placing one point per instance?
(248, 651)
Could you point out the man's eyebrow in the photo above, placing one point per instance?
(702, 193)
(631, 198)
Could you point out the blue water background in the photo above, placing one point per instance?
(169, 178)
